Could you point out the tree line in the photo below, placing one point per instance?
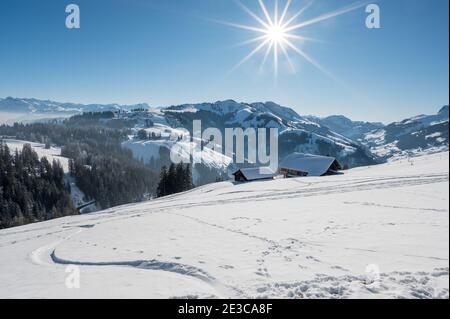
(175, 179)
(31, 189)
(104, 170)
(111, 182)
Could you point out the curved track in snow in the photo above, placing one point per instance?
(297, 238)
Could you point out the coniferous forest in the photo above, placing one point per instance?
(175, 179)
(31, 189)
(102, 169)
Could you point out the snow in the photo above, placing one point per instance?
(385, 142)
(393, 153)
(434, 135)
(377, 135)
(252, 174)
(312, 164)
(54, 153)
(167, 138)
(147, 150)
(388, 150)
(422, 121)
(375, 232)
(242, 116)
(312, 147)
(35, 106)
(79, 198)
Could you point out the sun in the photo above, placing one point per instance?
(276, 32)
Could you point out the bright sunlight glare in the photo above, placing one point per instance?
(276, 32)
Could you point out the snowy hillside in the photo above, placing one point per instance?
(155, 151)
(352, 129)
(297, 133)
(53, 153)
(414, 136)
(375, 232)
(354, 143)
(19, 105)
(150, 152)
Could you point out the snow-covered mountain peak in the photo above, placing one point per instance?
(444, 111)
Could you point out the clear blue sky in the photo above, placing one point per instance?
(173, 51)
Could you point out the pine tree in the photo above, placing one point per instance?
(179, 179)
(188, 178)
(162, 186)
(171, 180)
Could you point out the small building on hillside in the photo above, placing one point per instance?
(299, 164)
(254, 174)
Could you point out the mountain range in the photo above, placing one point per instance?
(296, 133)
(355, 143)
(415, 135)
(346, 127)
(30, 105)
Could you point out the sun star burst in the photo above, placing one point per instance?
(276, 33)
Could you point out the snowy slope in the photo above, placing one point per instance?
(53, 153)
(150, 149)
(418, 135)
(296, 133)
(166, 141)
(300, 238)
(346, 127)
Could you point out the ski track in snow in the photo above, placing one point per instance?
(41, 254)
(397, 207)
(351, 186)
(47, 256)
(334, 279)
(180, 269)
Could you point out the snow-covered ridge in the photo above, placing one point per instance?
(303, 134)
(296, 133)
(334, 135)
(346, 127)
(417, 135)
(30, 105)
(375, 232)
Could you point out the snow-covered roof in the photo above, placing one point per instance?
(252, 174)
(314, 165)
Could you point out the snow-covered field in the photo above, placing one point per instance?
(375, 232)
(53, 153)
